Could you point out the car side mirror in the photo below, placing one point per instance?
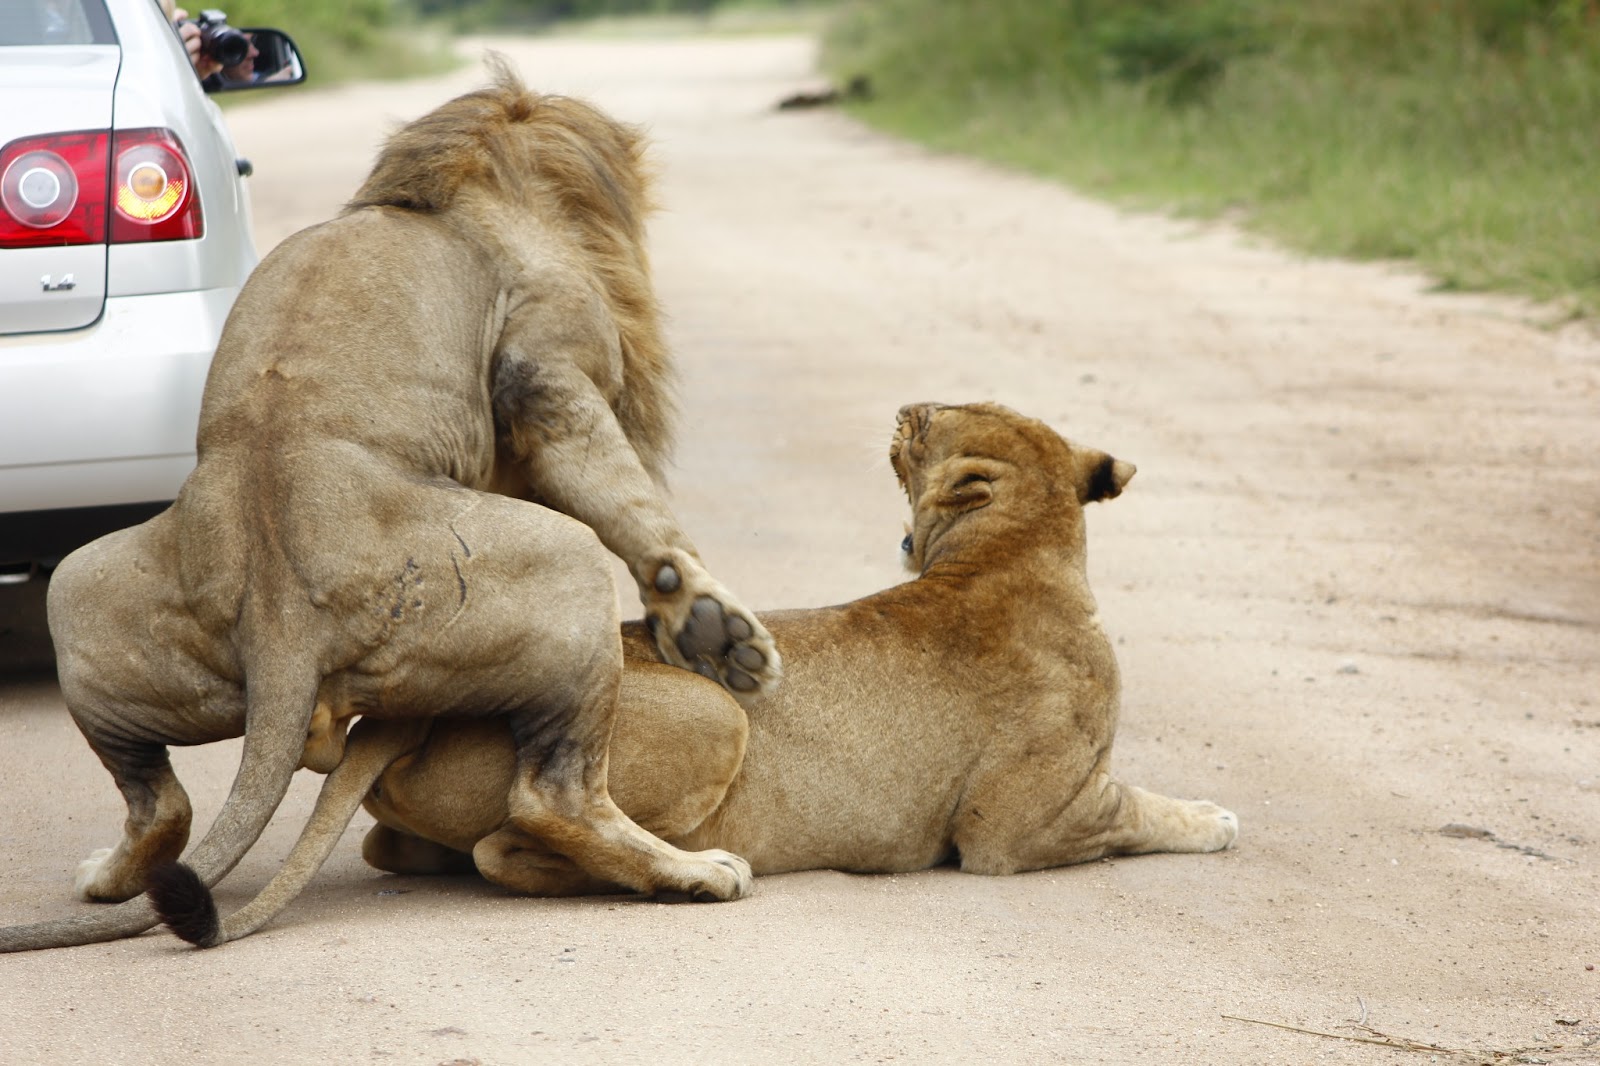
(273, 61)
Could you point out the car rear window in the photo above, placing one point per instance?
(31, 22)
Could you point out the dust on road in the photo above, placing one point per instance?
(1354, 589)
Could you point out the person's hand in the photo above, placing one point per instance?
(189, 34)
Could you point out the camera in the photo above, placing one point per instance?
(219, 40)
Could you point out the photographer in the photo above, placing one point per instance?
(189, 34)
(224, 57)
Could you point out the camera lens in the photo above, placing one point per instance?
(225, 44)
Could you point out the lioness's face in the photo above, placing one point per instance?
(955, 461)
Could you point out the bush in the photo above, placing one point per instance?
(1180, 49)
(1463, 133)
(343, 39)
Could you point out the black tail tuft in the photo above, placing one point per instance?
(184, 903)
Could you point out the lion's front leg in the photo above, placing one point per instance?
(574, 454)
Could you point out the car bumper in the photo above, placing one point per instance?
(107, 414)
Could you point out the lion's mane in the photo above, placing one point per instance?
(578, 169)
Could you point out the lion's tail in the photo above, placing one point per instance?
(106, 923)
(184, 901)
(281, 684)
(281, 694)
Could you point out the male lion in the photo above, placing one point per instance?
(425, 423)
(968, 713)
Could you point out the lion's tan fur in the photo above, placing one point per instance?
(426, 423)
(557, 157)
(967, 714)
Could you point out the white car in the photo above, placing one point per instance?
(124, 238)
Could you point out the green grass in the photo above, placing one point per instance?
(1461, 134)
(631, 18)
(343, 40)
(731, 18)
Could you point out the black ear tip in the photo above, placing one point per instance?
(1103, 481)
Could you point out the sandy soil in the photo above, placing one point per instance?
(1354, 587)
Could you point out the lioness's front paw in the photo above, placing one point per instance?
(720, 876)
(698, 625)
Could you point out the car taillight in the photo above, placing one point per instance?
(152, 189)
(52, 190)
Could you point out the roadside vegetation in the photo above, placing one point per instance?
(1462, 134)
(345, 39)
(348, 39)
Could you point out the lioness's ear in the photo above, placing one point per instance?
(966, 484)
(1100, 477)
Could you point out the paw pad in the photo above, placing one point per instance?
(698, 626)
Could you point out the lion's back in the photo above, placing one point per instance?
(373, 329)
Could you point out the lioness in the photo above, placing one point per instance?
(426, 422)
(967, 713)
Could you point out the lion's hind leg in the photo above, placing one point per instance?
(560, 799)
(525, 625)
(127, 693)
(156, 830)
(676, 747)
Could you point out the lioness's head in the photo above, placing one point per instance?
(1020, 475)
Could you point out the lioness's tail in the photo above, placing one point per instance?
(185, 903)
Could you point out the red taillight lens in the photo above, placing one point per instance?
(152, 191)
(52, 190)
(40, 189)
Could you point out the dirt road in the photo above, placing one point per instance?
(1354, 588)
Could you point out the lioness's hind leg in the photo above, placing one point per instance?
(1153, 822)
(390, 850)
(512, 859)
(1104, 818)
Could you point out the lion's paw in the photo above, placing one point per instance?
(88, 880)
(699, 626)
(719, 876)
(1214, 828)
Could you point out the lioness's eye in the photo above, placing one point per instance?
(905, 545)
